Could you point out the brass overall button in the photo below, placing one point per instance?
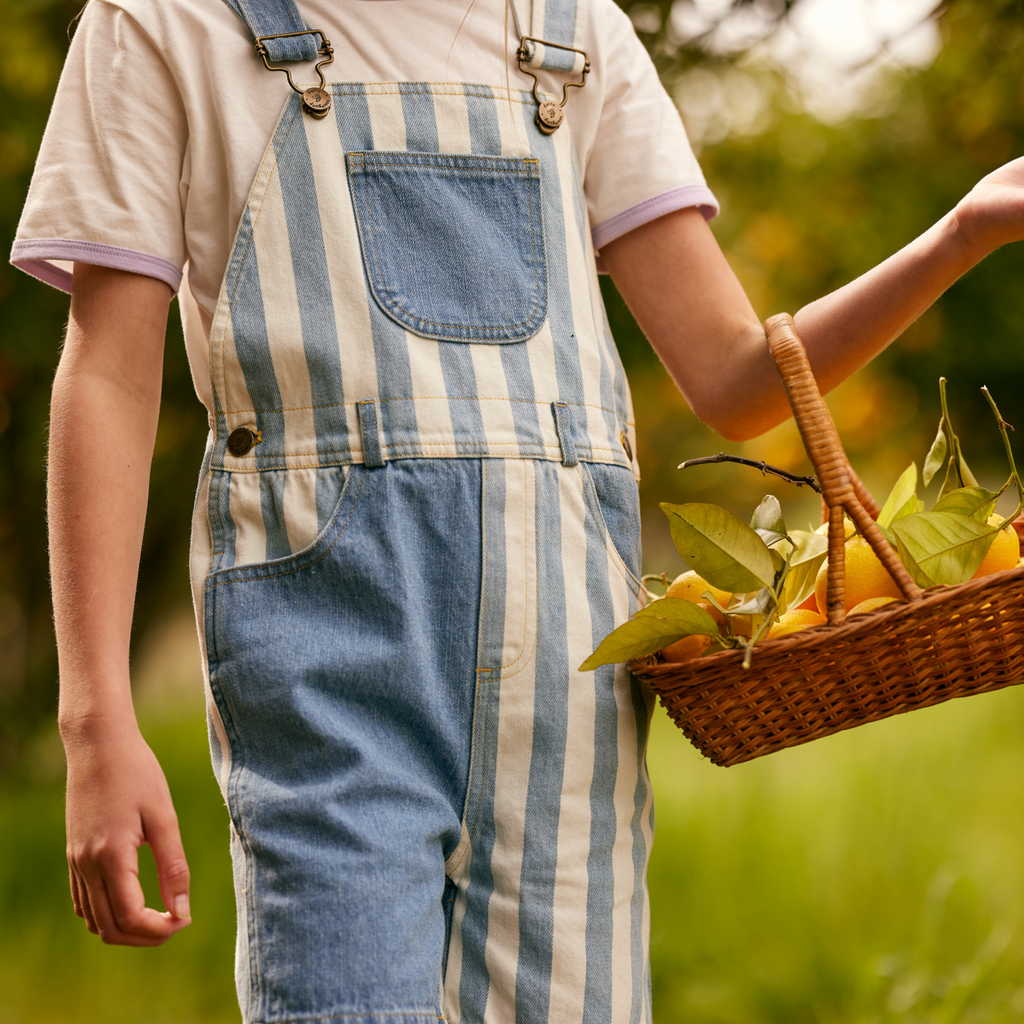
(317, 102)
(241, 440)
(549, 116)
(626, 446)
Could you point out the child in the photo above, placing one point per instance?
(417, 512)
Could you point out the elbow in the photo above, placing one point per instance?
(738, 418)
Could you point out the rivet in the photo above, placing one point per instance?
(242, 439)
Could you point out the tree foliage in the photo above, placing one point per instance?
(806, 206)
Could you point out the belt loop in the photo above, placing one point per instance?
(563, 424)
(369, 428)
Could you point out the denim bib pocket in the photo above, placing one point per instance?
(453, 245)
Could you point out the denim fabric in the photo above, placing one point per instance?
(434, 813)
(345, 678)
(453, 246)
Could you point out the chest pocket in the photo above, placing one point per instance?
(453, 246)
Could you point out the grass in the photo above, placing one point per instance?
(875, 876)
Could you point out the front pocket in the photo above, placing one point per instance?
(453, 246)
(253, 559)
(611, 492)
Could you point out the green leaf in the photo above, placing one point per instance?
(958, 473)
(768, 516)
(976, 502)
(903, 490)
(942, 547)
(913, 504)
(952, 481)
(771, 538)
(722, 548)
(758, 603)
(936, 456)
(652, 628)
(809, 551)
(965, 473)
(686, 614)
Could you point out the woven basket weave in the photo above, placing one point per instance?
(944, 643)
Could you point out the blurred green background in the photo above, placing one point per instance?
(875, 876)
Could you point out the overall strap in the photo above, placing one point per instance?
(274, 17)
(561, 22)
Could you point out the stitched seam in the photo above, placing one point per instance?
(285, 461)
(424, 398)
(616, 559)
(350, 1016)
(520, 96)
(251, 241)
(523, 651)
(402, 313)
(416, 446)
(305, 565)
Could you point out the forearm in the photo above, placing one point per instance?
(102, 428)
(693, 310)
(98, 479)
(106, 398)
(848, 327)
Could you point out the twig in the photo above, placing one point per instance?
(763, 466)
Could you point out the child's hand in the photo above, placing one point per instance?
(992, 213)
(117, 799)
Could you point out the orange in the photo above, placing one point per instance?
(793, 621)
(689, 647)
(865, 577)
(690, 586)
(1004, 552)
(849, 529)
(871, 604)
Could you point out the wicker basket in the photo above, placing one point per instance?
(943, 643)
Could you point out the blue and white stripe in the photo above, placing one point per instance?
(296, 317)
(550, 919)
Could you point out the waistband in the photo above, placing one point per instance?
(373, 432)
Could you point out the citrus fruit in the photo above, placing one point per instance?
(849, 529)
(689, 647)
(690, 586)
(865, 577)
(793, 621)
(1004, 552)
(871, 604)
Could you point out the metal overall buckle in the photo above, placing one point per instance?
(316, 100)
(549, 113)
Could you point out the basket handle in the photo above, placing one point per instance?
(841, 489)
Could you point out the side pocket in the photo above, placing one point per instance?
(614, 500)
(246, 552)
(453, 246)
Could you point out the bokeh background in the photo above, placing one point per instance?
(877, 876)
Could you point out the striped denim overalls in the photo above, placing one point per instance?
(418, 515)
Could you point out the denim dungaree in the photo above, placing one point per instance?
(417, 517)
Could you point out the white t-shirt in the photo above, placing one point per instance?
(164, 111)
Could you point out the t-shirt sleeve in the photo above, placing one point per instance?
(107, 183)
(639, 162)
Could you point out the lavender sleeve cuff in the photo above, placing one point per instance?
(650, 209)
(41, 257)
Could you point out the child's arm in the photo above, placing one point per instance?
(106, 399)
(693, 310)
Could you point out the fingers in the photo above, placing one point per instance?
(172, 868)
(107, 894)
(117, 801)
